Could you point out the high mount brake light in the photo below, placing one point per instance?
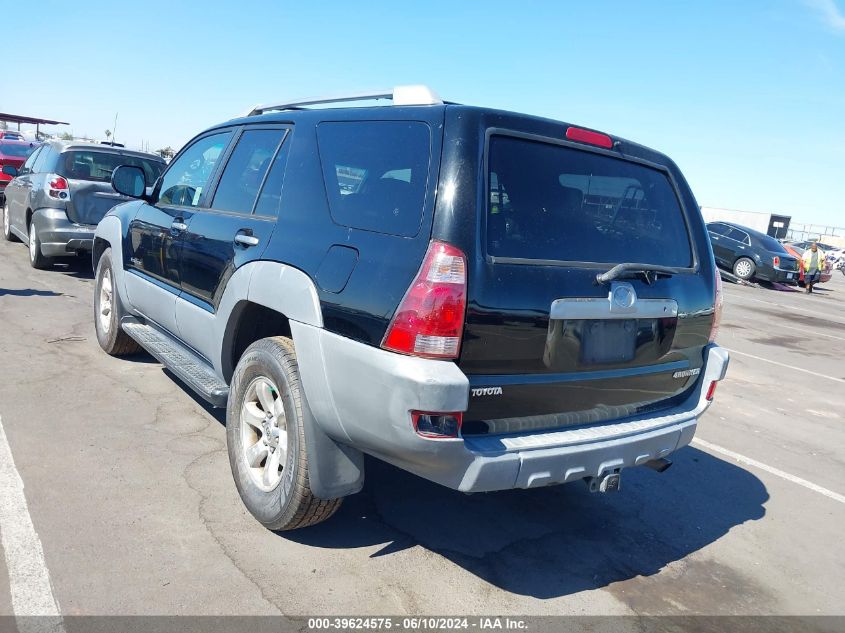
(581, 135)
(429, 321)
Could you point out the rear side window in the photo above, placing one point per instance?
(549, 202)
(245, 170)
(718, 229)
(98, 166)
(376, 173)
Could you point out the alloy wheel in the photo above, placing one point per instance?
(106, 302)
(743, 268)
(264, 433)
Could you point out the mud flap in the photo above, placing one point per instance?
(334, 470)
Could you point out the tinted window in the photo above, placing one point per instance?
(718, 229)
(557, 203)
(98, 165)
(187, 176)
(376, 173)
(771, 244)
(15, 150)
(271, 192)
(245, 170)
(739, 236)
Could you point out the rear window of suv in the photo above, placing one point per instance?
(98, 166)
(556, 203)
(376, 173)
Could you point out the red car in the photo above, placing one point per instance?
(12, 153)
(11, 135)
(797, 252)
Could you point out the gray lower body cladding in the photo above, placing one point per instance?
(61, 237)
(363, 396)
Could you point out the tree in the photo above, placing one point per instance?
(108, 134)
(66, 136)
(166, 152)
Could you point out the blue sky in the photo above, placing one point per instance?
(747, 97)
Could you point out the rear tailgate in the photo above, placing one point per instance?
(545, 345)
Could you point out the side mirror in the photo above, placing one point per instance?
(9, 170)
(129, 180)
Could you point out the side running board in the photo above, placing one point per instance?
(186, 364)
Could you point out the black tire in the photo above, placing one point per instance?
(112, 338)
(36, 257)
(291, 504)
(7, 233)
(744, 268)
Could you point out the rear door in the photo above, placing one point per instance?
(155, 234)
(88, 172)
(545, 344)
(233, 230)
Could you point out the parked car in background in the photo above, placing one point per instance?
(353, 280)
(798, 251)
(11, 135)
(62, 191)
(750, 254)
(12, 153)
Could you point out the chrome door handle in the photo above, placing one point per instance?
(246, 240)
(179, 226)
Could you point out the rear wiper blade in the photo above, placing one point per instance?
(649, 272)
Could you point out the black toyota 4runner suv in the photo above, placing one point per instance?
(489, 300)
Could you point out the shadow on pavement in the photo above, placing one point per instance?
(28, 292)
(554, 541)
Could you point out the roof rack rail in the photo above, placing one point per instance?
(400, 95)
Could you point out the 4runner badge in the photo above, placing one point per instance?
(686, 373)
(487, 391)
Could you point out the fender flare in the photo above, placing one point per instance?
(110, 230)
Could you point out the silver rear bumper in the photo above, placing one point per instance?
(362, 396)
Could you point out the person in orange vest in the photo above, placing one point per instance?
(812, 262)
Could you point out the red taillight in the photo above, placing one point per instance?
(58, 188)
(711, 391)
(777, 261)
(429, 321)
(59, 183)
(588, 136)
(437, 425)
(717, 306)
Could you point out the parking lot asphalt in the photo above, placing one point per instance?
(129, 493)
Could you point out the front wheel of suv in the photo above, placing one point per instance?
(266, 439)
(107, 311)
